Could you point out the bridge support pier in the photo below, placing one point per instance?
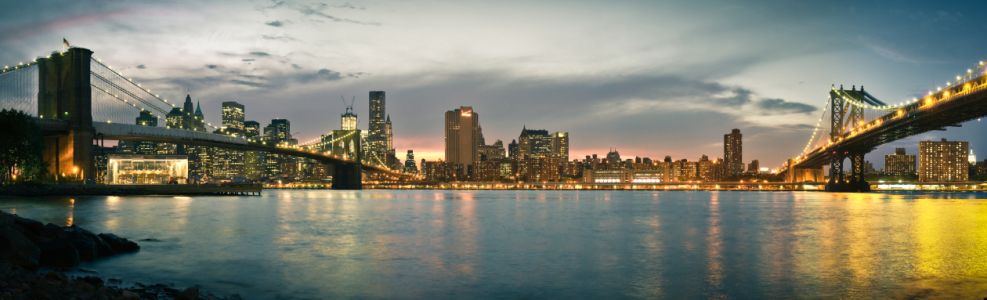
(857, 182)
(837, 182)
(347, 176)
(64, 93)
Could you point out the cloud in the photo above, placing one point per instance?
(781, 107)
(248, 83)
(141, 67)
(275, 23)
(248, 59)
(212, 66)
(284, 38)
(329, 75)
(316, 10)
(259, 54)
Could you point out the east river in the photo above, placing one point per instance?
(438, 244)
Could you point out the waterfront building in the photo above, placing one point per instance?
(607, 176)
(981, 167)
(462, 138)
(899, 163)
(733, 152)
(560, 145)
(146, 169)
(709, 170)
(943, 161)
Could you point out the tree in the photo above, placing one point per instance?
(21, 147)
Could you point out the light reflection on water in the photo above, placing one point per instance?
(544, 244)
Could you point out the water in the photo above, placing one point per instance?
(544, 244)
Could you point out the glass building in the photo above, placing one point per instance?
(146, 169)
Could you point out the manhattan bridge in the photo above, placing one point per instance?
(78, 100)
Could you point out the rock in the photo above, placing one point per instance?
(191, 293)
(119, 244)
(58, 254)
(236, 297)
(31, 225)
(82, 243)
(94, 281)
(6, 219)
(55, 276)
(18, 249)
(50, 231)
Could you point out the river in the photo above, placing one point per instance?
(440, 244)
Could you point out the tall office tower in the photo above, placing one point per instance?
(462, 138)
(278, 132)
(187, 110)
(560, 146)
(146, 118)
(733, 152)
(943, 161)
(409, 163)
(233, 117)
(512, 150)
(348, 120)
(390, 157)
(253, 161)
(198, 120)
(175, 119)
(377, 138)
(534, 143)
(899, 163)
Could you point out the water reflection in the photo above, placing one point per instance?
(545, 244)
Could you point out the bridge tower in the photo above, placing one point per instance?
(837, 111)
(64, 93)
(347, 175)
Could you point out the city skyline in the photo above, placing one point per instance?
(671, 86)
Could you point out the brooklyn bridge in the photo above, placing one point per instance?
(77, 100)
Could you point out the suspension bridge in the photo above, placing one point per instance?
(78, 101)
(858, 122)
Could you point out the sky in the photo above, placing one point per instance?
(651, 78)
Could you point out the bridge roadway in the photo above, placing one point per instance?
(953, 107)
(128, 132)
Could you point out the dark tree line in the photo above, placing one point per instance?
(21, 148)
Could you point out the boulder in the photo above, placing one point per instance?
(58, 254)
(50, 231)
(103, 249)
(119, 244)
(31, 225)
(191, 293)
(82, 243)
(18, 249)
(6, 219)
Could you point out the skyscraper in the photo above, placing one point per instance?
(462, 139)
(253, 161)
(233, 114)
(348, 120)
(733, 152)
(943, 161)
(146, 118)
(409, 163)
(560, 145)
(376, 136)
(512, 150)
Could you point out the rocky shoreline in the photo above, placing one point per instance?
(33, 253)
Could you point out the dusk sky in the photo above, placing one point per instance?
(652, 78)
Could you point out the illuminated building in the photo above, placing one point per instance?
(495, 151)
(560, 145)
(278, 132)
(647, 176)
(409, 163)
(462, 138)
(389, 158)
(377, 134)
(348, 121)
(146, 169)
(537, 143)
(512, 150)
(943, 161)
(733, 152)
(613, 157)
(753, 167)
(228, 163)
(142, 147)
(899, 163)
(607, 176)
(253, 161)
